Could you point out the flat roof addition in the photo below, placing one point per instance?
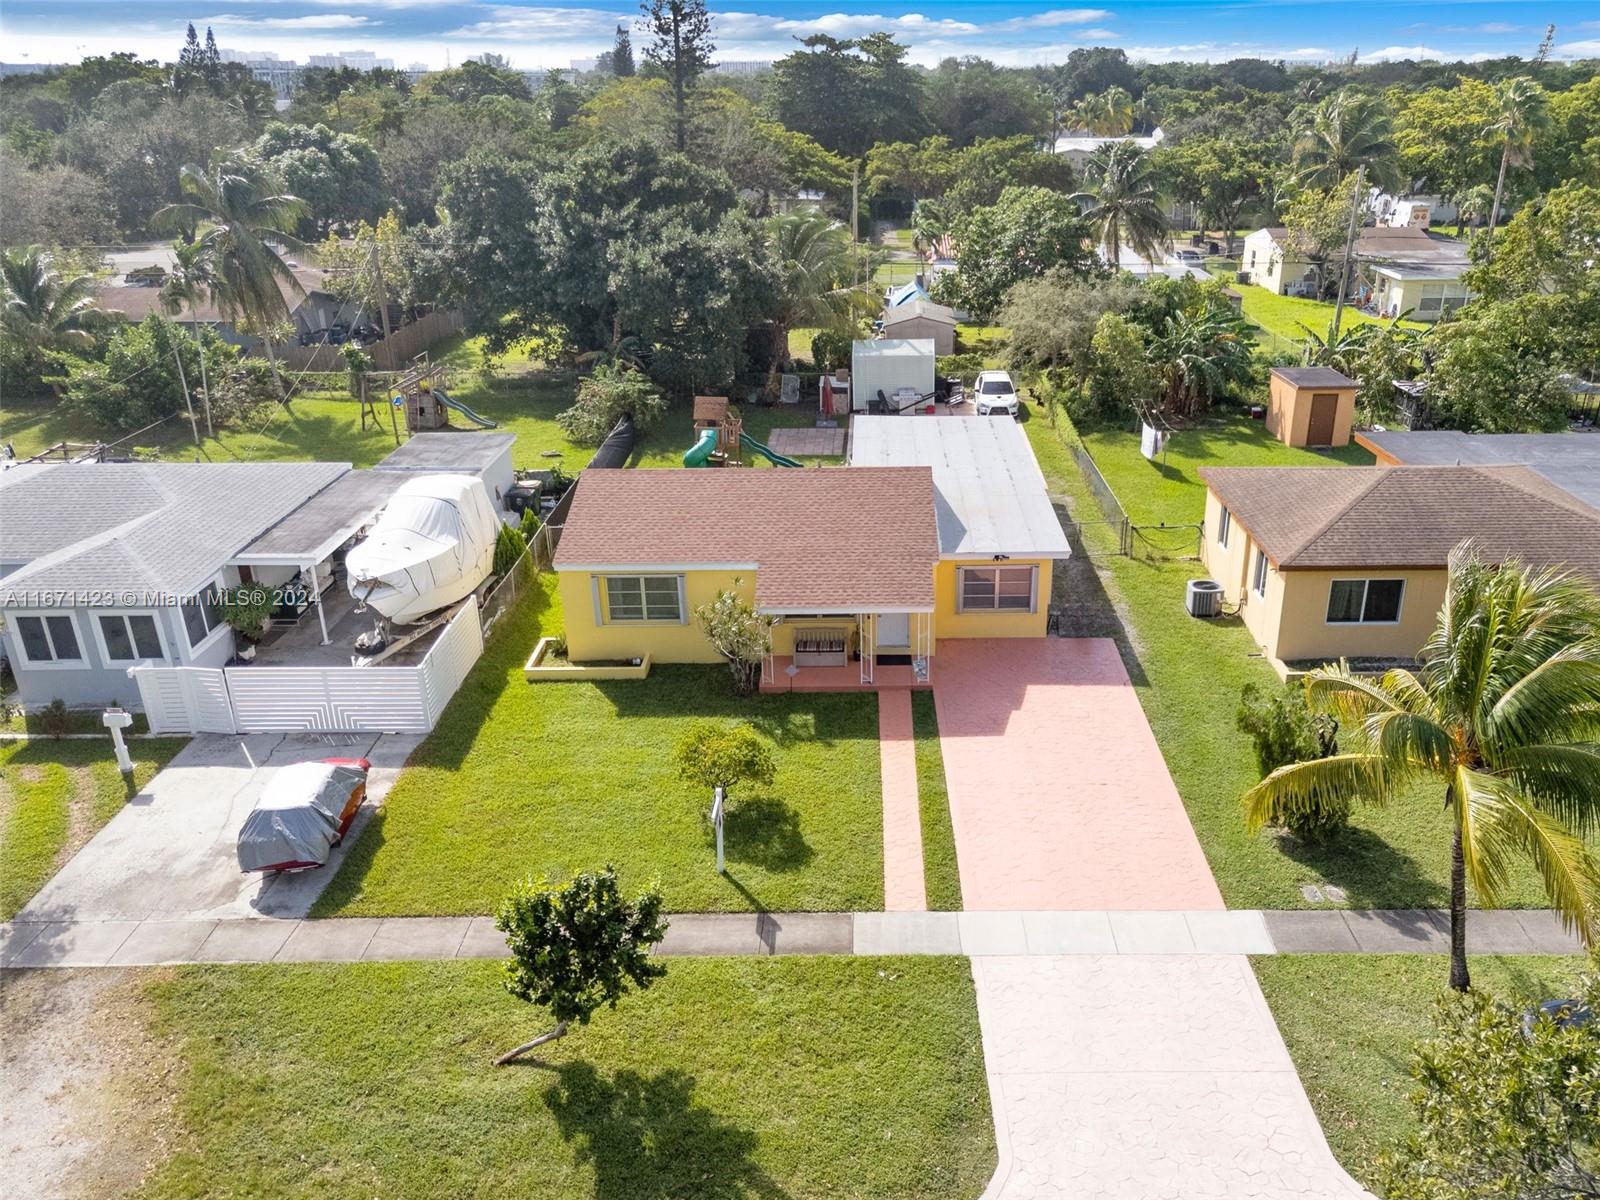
(466, 452)
(990, 494)
(1571, 461)
(326, 521)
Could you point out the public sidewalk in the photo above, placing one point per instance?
(1205, 932)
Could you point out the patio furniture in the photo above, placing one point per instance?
(823, 647)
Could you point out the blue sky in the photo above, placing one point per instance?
(1009, 31)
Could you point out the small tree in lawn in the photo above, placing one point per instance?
(724, 756)
(740, 634)
(577, 947)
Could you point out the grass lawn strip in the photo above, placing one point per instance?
(553, 778)
(1189, 674)
(1283, 316)
(941, 874)
(821, 1077)
(54, 796)
(1350, 1022)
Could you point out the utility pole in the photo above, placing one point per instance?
(383, 303)
(1349, 245)
(187, 403)
(855, 223)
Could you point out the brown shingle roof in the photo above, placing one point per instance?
(827, 538)
(137, 303)
(1325, 517)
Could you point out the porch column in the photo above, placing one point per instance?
(316, 594)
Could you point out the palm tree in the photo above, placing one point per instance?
(1198, 357)
(931, 221)
(1522, 113)
(192, 279)
(1348, 130)
(1125, 209)
(813, 260)
(1116, 112)
(1503, 713)
(239, 216)
(45, 310)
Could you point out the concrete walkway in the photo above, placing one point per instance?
(1203, 932)
(1059, 796)
(904, 886)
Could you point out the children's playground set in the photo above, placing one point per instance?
(419, 390)
(720, 439)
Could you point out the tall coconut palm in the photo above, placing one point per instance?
(45, 310)
(1503, 714)
(813, 260)
(1348, 130)
(240, 217)
(1125, 209)
(1521, 113)
(191, 280)
(1116, 112)
(931, 222)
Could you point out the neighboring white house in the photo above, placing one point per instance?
(1079, 145)
(1396, 268)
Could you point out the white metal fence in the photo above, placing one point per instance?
(263, 699)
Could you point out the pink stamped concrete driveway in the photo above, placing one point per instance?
(1059, 796)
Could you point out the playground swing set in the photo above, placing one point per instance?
(420, 392)
(720, 439)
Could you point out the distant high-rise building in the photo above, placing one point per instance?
(584, 65)
(747, 66)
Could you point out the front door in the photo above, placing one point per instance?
(1324, 407)
(894, 632)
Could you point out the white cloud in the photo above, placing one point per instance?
(312, 21)
(1055, 17)
(512, 23)
(1589, 48)
(1414, 53)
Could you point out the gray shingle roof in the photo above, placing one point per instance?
(101, 528)
(1337, 517)
(1571, 461)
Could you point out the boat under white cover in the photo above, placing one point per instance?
(432, 545)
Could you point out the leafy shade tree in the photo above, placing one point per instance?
(1502, 714)
(741, 635)
(1496, 367)
(416, 158)
(1120, 379)
(1443, 139)
(1125, 207)
(622, 54)
(577, 948)
(1053, 320)
(54, 205)
(1318, 223)
(241, 217)
(724, 756)
(44, 311)
(682, 49)
(1521, 112)
(605, 396)
(1506, 1108)
(1028, 232)
(971, 98)
(1349, 129)
(1220, 176)
(336, 174)
(849, 94)
(475, 79)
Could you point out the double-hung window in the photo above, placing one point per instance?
(1259, 583)
(1365, 601)
(200, 617)
(643, 597)
(1224, 526)
(49, 640)
(997, 589)
(129, 637)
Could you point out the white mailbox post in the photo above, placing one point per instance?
(116, 720)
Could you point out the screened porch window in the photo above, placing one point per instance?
(997, 589)
(1365, 601)
(643, 598)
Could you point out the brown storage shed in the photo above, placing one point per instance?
(1311, 406)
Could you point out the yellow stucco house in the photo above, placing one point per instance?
(938, 527)
(1350, 562)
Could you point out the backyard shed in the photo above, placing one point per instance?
(923, 319)
(1311, 406)
(892, 366)
(486, 455)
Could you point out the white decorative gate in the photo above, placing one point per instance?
(185, 699)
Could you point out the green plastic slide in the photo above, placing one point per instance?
(698, 454)
(777, 460)
(457, 406)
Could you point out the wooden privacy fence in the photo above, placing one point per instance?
(390, 354)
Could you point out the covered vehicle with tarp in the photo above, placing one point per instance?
(432, 545)
(303, 813)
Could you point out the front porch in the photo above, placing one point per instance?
(816, 652)
(885, 676)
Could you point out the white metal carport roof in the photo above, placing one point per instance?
(989, 493)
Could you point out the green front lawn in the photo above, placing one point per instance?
(54, 796)
(521, 778)
(1351, 1020)
(1283, 315)
(940, 873)
(798, 1078)
(1189, 674)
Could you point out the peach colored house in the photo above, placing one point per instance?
(1350, 562)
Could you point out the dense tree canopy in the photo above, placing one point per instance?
(336, 174)
(1026, 233)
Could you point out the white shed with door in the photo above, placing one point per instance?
(891, 366)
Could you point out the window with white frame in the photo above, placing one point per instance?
(1224, 526)
(644, 597)
(48, 639)
(129, 637)
(1365, 601)
(201, 617)
(1259, 583)
(997, 589)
